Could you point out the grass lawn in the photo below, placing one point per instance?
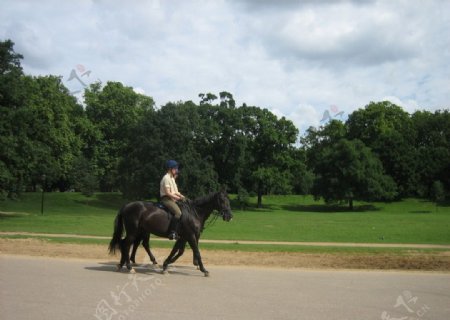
(246, 247)
(283, 218)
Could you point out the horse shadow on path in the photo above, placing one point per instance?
(148, 269)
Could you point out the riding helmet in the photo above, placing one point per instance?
(171, 164)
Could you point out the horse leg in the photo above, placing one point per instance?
(122, 255)
(126, 244)
(146, 245)
(180, 244)
(175, 249)
(194, 245)
(195, 260)
(135, 247)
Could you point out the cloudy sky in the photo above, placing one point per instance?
(296, 58)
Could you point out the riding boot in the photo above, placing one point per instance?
(173, 228)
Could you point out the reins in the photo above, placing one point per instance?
(190, 208)
(216, 215)
(211, 221)
(207, 222)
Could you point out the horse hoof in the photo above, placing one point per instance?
(206, 273)
(164, 271)
(132, 271)
(118, 267)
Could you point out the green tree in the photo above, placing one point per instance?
(40, 127)
(180, 131)
(347, 171)
(220, 136)
(84, 177)
(10, 77)
(303, 177)
(114, 110)
(388, 130)
(169, 133)
(227, 100)
(433, 149)
(269, 142)
(437, 192)
(143, 160)
(252, 150)
(38, 134)
(51, 115)
(316, 140)
(9, 59)
(207, 98)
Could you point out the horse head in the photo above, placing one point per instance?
(223, 203)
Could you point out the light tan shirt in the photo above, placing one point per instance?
(167, 182)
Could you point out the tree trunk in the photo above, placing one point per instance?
(350, 203)
(260, 195)
(259, 199)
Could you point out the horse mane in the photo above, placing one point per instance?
(189, 207)
(204, 199)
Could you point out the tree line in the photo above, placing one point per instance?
(118, 140)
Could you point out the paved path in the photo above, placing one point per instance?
(46, 288)
(284, 243)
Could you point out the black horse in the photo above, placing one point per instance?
(142, 218)
(179, 248)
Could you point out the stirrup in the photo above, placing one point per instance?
(173, 236)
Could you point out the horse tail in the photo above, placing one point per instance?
(117, 235)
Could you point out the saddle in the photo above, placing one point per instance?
(173, 229)
(162, 206)
(170, 215)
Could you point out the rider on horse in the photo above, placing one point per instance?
(169, 195)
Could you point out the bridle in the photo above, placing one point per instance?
(221, 212)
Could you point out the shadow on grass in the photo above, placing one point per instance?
(6, 215)
(306, 208)
(236, 205)
(104, 200)
(323, 208)
(264, 209)
(445, 203)
(421, 211)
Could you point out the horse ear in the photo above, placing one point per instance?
(224, 188)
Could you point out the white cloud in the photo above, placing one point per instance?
(305, 115)
(297, 58)
(409, 105)
(139, 90)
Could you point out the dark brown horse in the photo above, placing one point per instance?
(140, 219)
(179, 248)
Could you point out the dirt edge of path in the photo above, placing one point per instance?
(414, 261)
